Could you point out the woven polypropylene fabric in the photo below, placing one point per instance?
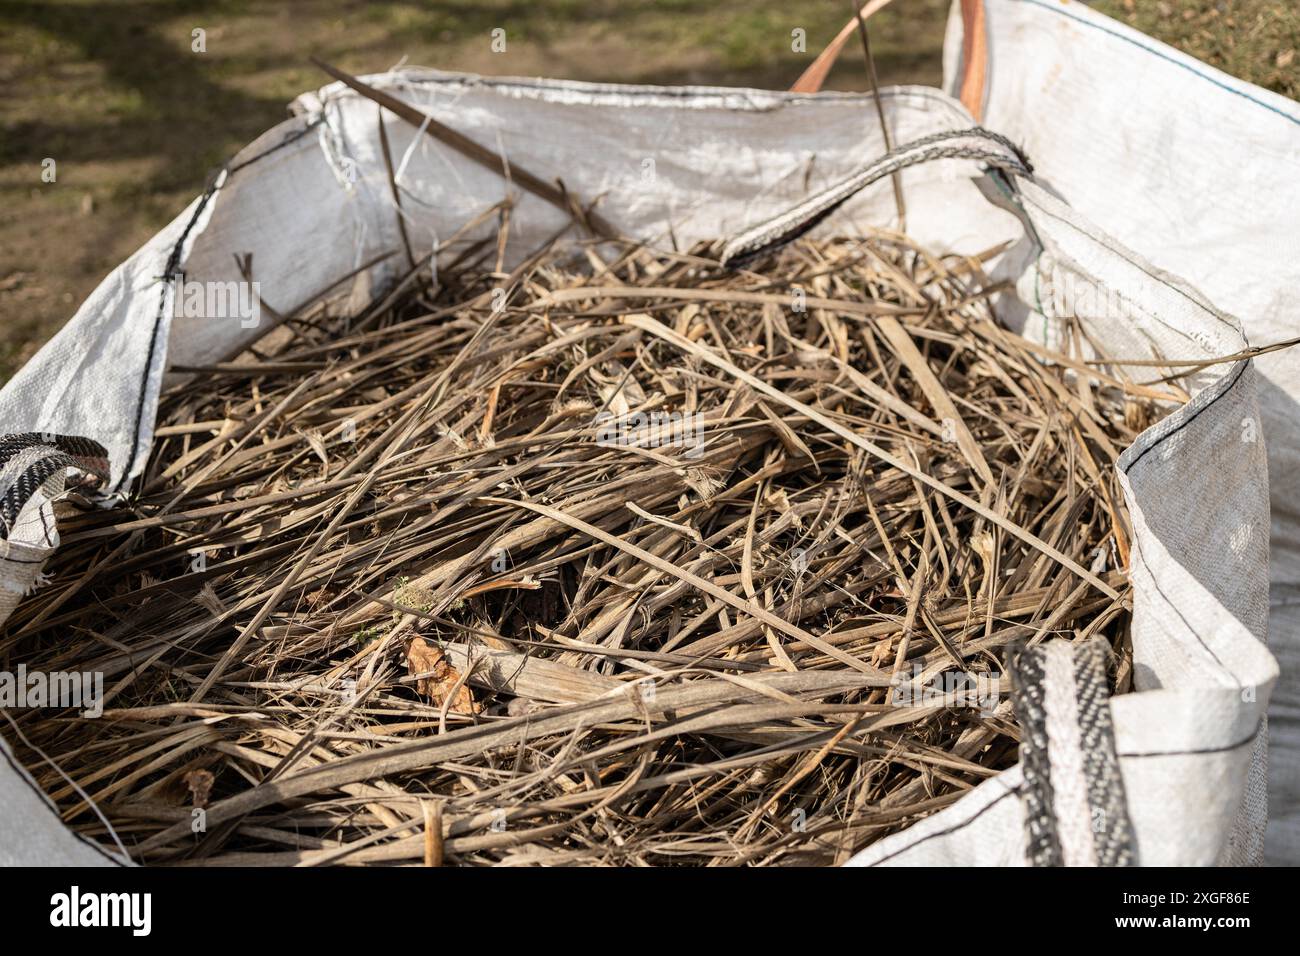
(1192, 169)
(1075, 808)
(978, 144)
(1188, 740)
(1042, 842)
(1113, 830)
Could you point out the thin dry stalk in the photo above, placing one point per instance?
(634, 562)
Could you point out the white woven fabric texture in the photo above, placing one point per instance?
(1200, 174)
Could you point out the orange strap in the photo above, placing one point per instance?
(974, 54)
(812, 79)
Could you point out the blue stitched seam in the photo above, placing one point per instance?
(1164, 56)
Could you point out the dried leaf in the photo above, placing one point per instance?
(317, 443)
(439, 677)
(200, 786)
(208, 597)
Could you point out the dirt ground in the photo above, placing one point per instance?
(134, 118)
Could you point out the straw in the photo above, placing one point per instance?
(607, 560)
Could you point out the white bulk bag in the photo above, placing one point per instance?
(1198, 172)
(310, 201)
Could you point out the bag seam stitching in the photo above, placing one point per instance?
(1163, 56)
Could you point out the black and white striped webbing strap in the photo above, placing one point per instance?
(976, 143)
(1076, 813)
(29, 460)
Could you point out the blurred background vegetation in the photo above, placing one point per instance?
(136, 120)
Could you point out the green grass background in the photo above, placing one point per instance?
(136, 120)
